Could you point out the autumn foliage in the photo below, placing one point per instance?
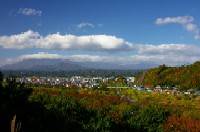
(181, 124)
(184, 77)
(53, 109)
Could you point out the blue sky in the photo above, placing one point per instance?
(122, 31)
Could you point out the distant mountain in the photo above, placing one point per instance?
(116, 66)
(67, 65)
(44, 65)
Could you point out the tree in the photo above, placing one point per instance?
(121, 81)
(13, 102)
(147, 118)
(1, 77)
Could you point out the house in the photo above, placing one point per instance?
(86, 80)
(95, 85)
(42, 80)
(4, 79)
(18, 80)
(63, 80)
(75, 79)
(190, 91)
(97, 79)
(197, 93)
(130, 79)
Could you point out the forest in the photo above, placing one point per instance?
(83, 73)
(184, 77)
(29, 109)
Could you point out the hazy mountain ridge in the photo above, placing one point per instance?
(67, 65)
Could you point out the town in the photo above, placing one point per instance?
(74, 81)
(95, 82)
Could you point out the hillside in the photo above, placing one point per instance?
(184, 77)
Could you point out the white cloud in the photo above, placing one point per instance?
(191, 27)
(45, 55)
(179, 19)
(77, 58)
(30, 12)
(84, 25)
(30, 39)
(169, 54)
(185, 21)
(20, 41)
(100, 25)
(197, 36)
(169, 49)
(172, 60)
(40, 55)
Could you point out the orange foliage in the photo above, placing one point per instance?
(177, 73)
(177, 79)
(181, 124)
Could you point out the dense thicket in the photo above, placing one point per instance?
(184, 77)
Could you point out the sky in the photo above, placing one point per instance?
(120, 31)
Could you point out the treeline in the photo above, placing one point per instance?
(184, 77)
(84, 73)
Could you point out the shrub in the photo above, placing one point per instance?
(147, 118)
(183, 124)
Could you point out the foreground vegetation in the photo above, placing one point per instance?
(49, 110)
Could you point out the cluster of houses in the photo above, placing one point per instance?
(76, 81)
(93, 82)
(172, 90)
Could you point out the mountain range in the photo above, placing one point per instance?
(67, 65)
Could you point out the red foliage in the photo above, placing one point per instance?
(177, 79)
(181, 124)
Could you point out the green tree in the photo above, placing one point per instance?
(147, 118)
(121, 81)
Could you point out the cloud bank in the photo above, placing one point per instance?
(169, 54)
(169, 49)
(123, 51)
(31, 39)
(186, 21)
(179, 19)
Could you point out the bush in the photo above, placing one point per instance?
(62, 112)
(183, 124)
(147, 118)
